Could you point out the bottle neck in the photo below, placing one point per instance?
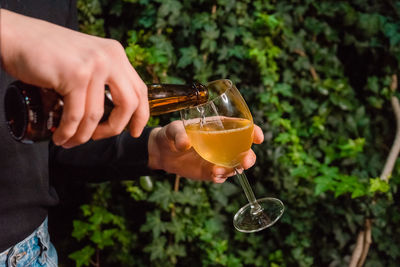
(166, 98)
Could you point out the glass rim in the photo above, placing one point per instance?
(230, 87)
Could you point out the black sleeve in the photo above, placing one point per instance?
(72, 19)
(115, 158)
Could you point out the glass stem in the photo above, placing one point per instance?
(254, 206)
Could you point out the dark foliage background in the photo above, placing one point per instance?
(318, 77)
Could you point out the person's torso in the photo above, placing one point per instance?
(25, 193)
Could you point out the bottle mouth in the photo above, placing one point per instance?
(16, 112)
(217, 90)
(213, 91)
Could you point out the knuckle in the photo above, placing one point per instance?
(82, 72)
(143, 90)
(73, 118)
(100, 59)
(94, 116)
(114, 47)
(129, 104)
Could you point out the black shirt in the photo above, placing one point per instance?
(25, 192)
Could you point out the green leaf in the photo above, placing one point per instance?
(378, 185)
(323, 184)
(177, 228)
(188, 196)
(162, 195)
(157, 248)
(188, 56)
(103, 238)
(301, 171)
(82, 257)
(154, 224)
(80, 229)
(283, 138)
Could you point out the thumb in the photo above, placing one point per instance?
(176, 133)
(182, 142)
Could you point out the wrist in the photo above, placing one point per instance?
(153, 150)
(14, 28)
(6, 36)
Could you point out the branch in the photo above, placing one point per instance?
(213, 9)
(97, 262)
(173, 212)
(367, 242)
(394, 151)
(363, 243)
(300, 52)
(150, 70)
(357, 250)
(176, 189)
(176, 185)
(313, 72)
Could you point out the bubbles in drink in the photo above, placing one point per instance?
(200, 109)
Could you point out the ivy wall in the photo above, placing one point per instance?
(321, 80)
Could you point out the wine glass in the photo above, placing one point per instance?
(221, 132)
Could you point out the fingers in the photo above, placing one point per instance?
(73, 112)
(84, 105)
(219, 180)
(248, 160)
(142, 113)
(221, 174)
(258, 135)
(93, 113)
(126, 101)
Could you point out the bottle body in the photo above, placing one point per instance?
(33, 113)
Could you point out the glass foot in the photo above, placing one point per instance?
(249, 221)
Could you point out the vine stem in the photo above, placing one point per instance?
(97, 262)
(364, 239)
(176, 189)
(312, 70)
(394, 151)
(255, 207)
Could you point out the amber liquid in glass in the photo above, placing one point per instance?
(224, 146)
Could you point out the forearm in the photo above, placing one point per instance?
(115, 158)
(6, 37)
(15, 30)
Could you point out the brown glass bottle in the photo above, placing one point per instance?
(33, 113)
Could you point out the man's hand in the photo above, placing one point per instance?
(170, 150)
(77, 66)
